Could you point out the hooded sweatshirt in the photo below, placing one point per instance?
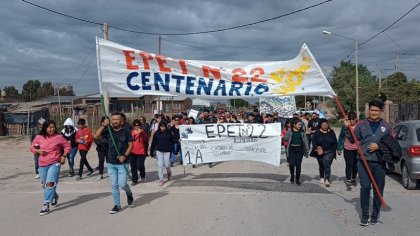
(71, 135)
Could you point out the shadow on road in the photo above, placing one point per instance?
(147, 198)
(82, 199)
(14, 176)
(278, 185)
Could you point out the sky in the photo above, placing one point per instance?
(37, 44)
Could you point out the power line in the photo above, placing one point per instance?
(395, 22)
(186, 33)
(62, 14)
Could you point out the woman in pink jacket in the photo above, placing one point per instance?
(49, 145)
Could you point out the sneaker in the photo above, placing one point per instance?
(327, 183)
(169, 175)
(90, 173)
(70, 174)
(297, 182)
(44, 210)
(130, 199)
(115, 209)
(100, 177)
(354, 182)
(143, 180)
(373, 220)
(161, 183)
(321, 180)
(54, 201)
(292, 179)
(36, 176)
(134, 183)
(348, 184)
(365, 221)
(79, 178)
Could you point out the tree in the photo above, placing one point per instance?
(67, 91)
(31, 90)
(344, 83)
(399, 90)
(238, 103)
(11, 92)
(47, 89)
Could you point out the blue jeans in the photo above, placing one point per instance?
(70, 158)
(36, 158)
(177, 147)
(49, 178)
(118, 178)
(378, 172)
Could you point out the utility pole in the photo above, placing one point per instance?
(159, 48)
(379, 76)
(397, 60)
(105, 29)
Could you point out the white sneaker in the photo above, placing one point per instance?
(327, 183)
(36, 177)
(321, 180)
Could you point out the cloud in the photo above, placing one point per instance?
(37, 44)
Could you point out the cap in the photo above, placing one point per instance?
(41, 121)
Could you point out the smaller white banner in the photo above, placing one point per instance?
(207, 143)
(193, 113)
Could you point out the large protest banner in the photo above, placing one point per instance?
(229, 142)
(124, 70)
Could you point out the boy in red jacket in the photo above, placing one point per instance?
(84, 139)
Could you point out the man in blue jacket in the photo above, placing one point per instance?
(369, 133)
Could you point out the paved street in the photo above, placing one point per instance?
(232, 198)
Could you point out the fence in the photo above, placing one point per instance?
(404, 112)
(16, 129)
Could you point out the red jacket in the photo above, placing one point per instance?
(140, 142)
(85, 135)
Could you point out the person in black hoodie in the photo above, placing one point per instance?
(102, 149)
(324, 144)
(176, 137)
(163, 144)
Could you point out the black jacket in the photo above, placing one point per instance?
(163, 141)
(389, 149)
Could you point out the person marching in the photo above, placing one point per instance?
(102, 149)
(369, 132)
(138, 153)
(69, 133)
(34, 132)
(84, 140)
(176, 136)
(324, 144)
(117, 165)
(48, 145)
(163, 144)
(297, 148)
(350, 151)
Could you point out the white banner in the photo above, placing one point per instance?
(124, 70)
(231, 142)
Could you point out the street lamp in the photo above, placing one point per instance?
(356, 62)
